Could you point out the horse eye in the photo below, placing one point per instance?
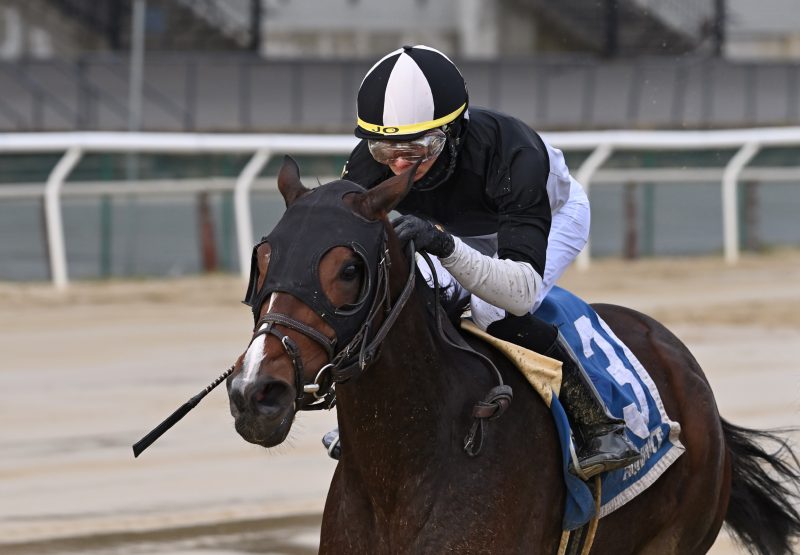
(350, 271)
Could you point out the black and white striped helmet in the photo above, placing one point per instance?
(408, 92)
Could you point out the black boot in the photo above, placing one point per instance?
(602, 444)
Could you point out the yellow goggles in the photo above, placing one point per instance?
(422, 148)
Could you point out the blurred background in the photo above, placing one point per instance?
(294, 66)
(139, 140)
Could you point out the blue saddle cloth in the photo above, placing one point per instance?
(629, 393)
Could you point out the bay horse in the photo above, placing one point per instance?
(338, 312)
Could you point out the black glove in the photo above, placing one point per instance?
(426, 236)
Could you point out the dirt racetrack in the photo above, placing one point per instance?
(85, 374)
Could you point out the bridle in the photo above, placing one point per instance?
(356, 356)
(343, 363)
(352, 360)
(363, 340)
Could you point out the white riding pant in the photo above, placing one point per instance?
(569, 233)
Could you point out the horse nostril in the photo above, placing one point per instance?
(272, 398)
(237, 399)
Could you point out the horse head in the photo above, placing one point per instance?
(319, 286)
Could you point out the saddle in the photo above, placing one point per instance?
(627, 389)
(543, 373)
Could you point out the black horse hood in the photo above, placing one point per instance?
(295, 256)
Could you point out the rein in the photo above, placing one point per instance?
(499, 397)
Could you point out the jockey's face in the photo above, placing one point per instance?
(399, 165)
(401, 155)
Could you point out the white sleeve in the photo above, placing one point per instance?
(559, 181)
(506, 284)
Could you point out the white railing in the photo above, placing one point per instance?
(601, 144)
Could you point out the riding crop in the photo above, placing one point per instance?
(173, 418)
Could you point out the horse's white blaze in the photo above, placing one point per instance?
(255, 352)
(252, 359)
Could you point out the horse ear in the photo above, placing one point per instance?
(289, 181)
(381, 199)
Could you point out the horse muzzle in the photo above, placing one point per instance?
(263, 409)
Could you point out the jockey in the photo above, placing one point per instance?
(497, 207)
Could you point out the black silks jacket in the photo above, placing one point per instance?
(496, 198)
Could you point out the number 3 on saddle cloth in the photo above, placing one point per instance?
(629, 393)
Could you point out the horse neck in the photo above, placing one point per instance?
(406, 378)
(397, 418)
